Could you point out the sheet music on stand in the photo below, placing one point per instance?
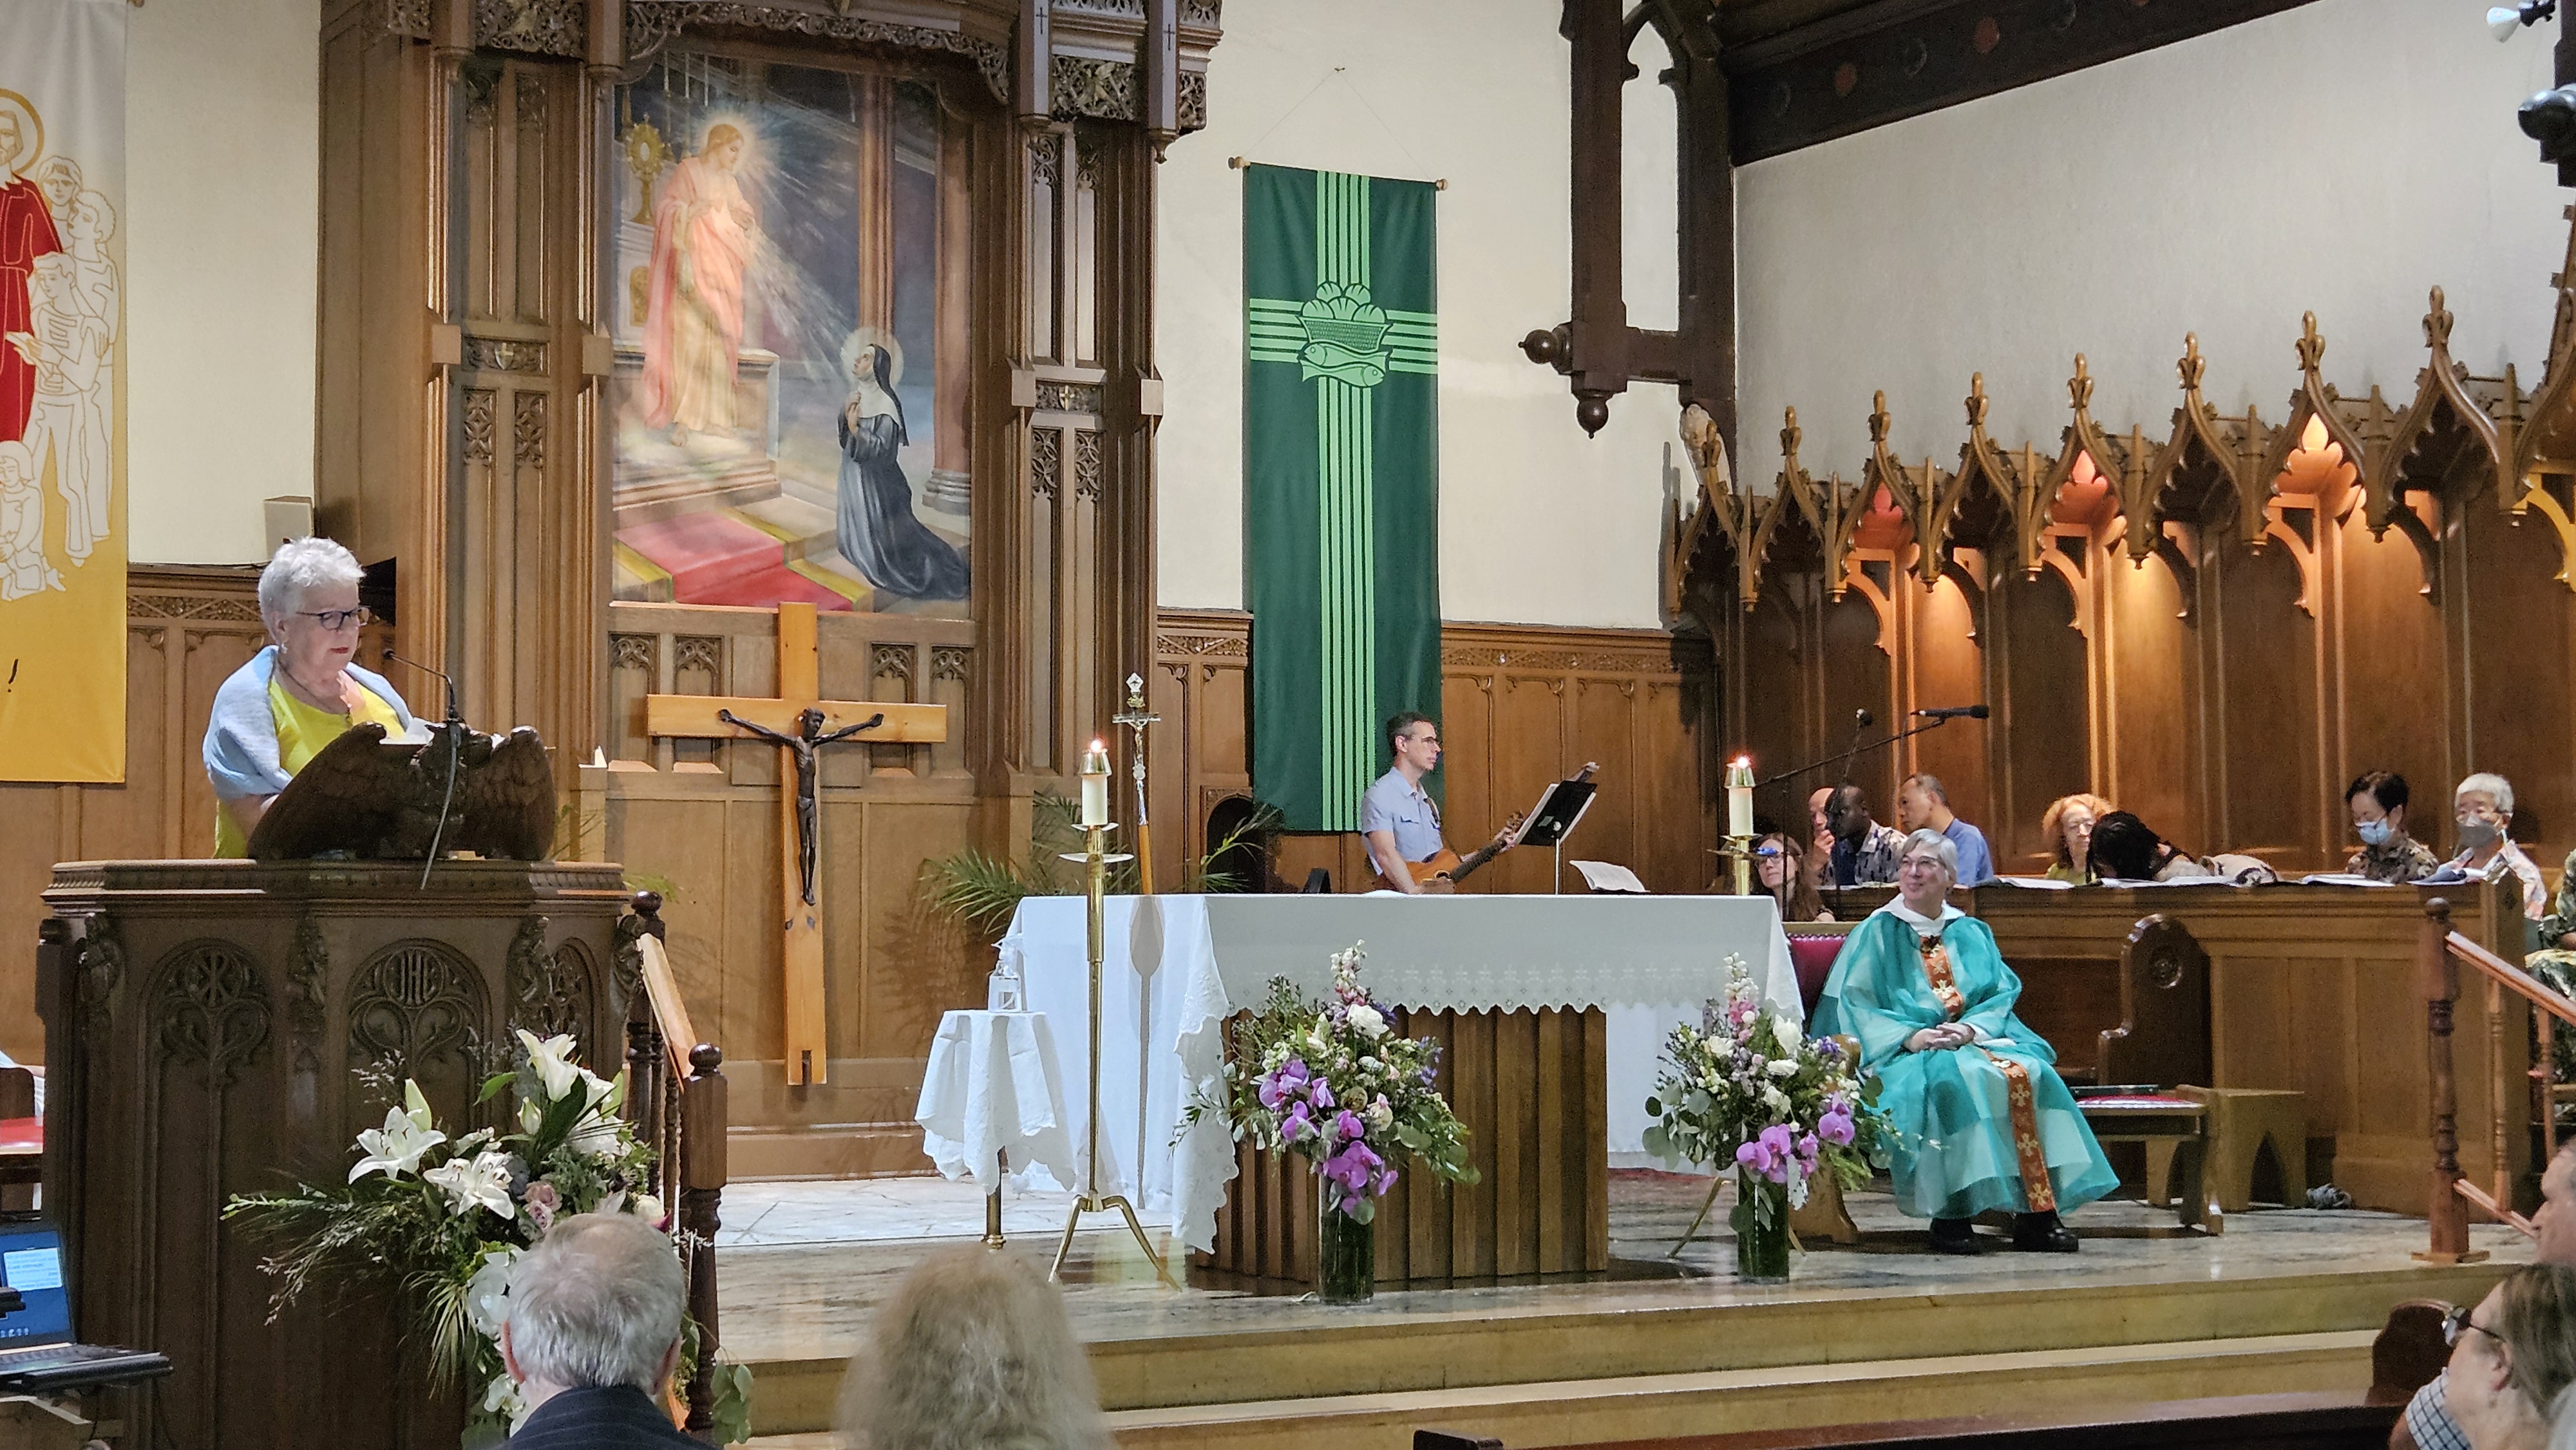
(1559, 810)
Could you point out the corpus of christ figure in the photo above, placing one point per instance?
(808, 740)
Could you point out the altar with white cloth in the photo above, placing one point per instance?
(1177, 968)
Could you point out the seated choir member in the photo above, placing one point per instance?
(972, 1350)
(1923, 805)
(300, 693)
(2378, 801)
(2067, 826)
(2482, 809)
(2512, 1358)
(2555, 960)
(1781, 866)
(1864, 852)
(2125, 849)
(1982, 1120)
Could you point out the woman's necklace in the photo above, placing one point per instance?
(338, 705)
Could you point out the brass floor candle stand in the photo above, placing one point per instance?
(1088, 1198)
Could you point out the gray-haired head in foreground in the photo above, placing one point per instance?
(1939, 845)
(973, 1352)
(597, 1303)
(2493, 784)
(297, 568)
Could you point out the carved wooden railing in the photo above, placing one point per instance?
(2438, 958)
(675, 1097)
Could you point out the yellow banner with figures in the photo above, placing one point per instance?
(62, 390)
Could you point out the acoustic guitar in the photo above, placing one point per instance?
(1448, 866)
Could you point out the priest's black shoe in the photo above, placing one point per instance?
(2043, 1233)
(1954, 1236)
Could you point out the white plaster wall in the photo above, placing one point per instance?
(2341, 157)
(1473, 91)
(223, 148)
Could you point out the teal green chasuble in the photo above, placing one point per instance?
(1955, 1154)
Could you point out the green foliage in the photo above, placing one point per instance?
(984, 891)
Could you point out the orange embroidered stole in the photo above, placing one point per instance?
(2035, 1183)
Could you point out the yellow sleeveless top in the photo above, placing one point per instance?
(302, 731)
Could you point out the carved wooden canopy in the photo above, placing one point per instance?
(2212, 474)
(1112, 60)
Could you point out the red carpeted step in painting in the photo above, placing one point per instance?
(713, 558)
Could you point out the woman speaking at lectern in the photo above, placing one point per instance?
(300, 693)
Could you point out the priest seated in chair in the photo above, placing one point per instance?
(1983, 1122)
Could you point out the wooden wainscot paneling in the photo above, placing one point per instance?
(186, 631)
(1521, 706)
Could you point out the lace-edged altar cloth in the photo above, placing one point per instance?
(1648, 962)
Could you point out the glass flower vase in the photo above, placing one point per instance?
(1761, 1228)
(1345, 1257)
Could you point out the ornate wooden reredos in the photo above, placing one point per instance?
(473, 149)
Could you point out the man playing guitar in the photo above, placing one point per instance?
(1402, 825)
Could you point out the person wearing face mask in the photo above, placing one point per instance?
(2378, 802)
(2482, 808)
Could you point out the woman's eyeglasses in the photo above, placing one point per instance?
(2457, 1323)
(335, 620)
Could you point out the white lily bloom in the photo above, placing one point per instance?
(1776, 1100)
(481, 1182)
(416, 1105)
(394, 1149)
(531, 1117)
(595, 1136)
(552, 1058)
(1787, 1034)
(487, 1294)
(1782, 1067)
(648, 1208)
(1368, 1022)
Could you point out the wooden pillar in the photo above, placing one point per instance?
(2439, 979)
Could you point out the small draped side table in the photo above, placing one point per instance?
(992, 1104)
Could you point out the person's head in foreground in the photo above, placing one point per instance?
(973, 1352)
(595, 1306)
(2511, 1356)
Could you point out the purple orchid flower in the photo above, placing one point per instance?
(1770, 1153)
(1284, 1084)
(1356, 1169)
(1297, 1125)
(1320, 1093)
(1835, 1126)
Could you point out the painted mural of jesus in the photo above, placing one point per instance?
(703, 232)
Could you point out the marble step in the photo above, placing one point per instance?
(1575, 1412)
(1274, 1353)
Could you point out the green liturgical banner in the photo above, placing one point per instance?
(1341, 479)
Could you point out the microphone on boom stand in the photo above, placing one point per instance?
(453, 730)
(1955, 712)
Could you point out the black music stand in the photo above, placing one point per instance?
(1559, 810)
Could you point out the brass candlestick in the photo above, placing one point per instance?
(1095, 859)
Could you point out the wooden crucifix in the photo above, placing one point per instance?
(801, 725)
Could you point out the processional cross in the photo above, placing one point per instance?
(801, 725)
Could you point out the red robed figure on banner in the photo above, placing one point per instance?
(26, 233)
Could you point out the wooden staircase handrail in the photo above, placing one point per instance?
(2513, 978)
(670, 1014)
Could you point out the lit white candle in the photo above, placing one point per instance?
(1739, 796)
(1095, 785)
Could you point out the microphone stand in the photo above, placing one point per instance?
(1935, 723)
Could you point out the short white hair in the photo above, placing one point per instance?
(299, 567)
(2493, 784)
(597, 1303)
(1939, 845)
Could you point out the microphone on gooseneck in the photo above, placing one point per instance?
(1954, 712)
(453, 714)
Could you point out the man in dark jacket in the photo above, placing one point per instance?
(592, 1336)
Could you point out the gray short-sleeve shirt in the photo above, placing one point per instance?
(1398, 805)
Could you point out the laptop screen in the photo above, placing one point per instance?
(31, 1262)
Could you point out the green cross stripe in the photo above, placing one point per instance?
(1341, 573)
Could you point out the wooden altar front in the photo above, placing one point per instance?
(1532, 1089)
(224, 1027)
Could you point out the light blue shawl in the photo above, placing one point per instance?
(241, 734)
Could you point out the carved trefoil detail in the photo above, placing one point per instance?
(632, 652)
(415, 1001)
(949, 662)
(1086, 463)
(698, 652)
(891, 661)
(307, 976)
(211, 1009)
(478, 425)
(1046, 460)
(528, 429)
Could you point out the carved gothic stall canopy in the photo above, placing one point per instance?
(2210, 475)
